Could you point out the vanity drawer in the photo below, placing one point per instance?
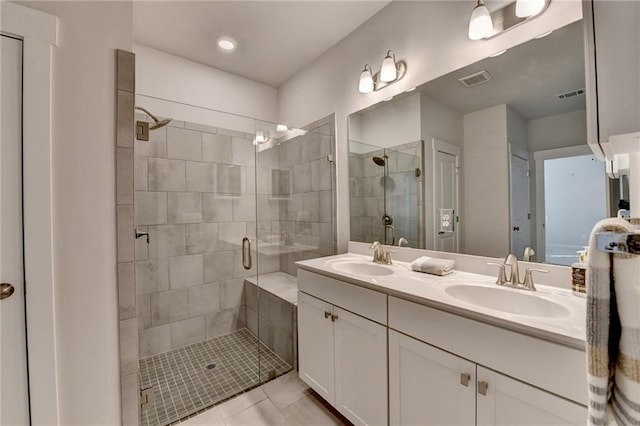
(359, 300)
(551, 366)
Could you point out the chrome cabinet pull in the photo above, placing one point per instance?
(246, 253)
(482, 387)
(464, 379)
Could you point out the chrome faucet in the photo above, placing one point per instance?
(379, 255)
(514, 274)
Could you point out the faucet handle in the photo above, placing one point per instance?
(387, 257)
(528, 278)
(502, 276)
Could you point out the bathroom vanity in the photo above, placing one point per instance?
(386, 345)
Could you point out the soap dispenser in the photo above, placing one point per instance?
(579, 274)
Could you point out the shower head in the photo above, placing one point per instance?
(156, 122)
(380, 161)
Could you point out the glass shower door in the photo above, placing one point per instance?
(195, 197)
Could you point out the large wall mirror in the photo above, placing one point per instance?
(495, 159)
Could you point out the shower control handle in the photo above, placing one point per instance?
(246, 253)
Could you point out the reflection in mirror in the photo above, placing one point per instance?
(519, 177)
(386, 193)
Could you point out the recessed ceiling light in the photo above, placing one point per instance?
(388, 99)
(544, 34)
(411, 89)
(281, 128)
(499, 53)
(226, 43)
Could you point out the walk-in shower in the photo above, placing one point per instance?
(211, 323)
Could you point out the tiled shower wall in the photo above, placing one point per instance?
(307, 212)
(195, 196)
(404, 193)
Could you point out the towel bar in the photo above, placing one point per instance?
(618, 242)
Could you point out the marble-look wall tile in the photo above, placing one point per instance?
(151, 208)
(167, 175)
(218, 266)
(204, 299)
(216, 148)
(242, 151)
(130, 399)
(223, 322)
(232, 292)
(143, 309)
(169, 306)
(125, 234)
(128, 346)
(184, 207)
(124, 176)
(184, 144)
(186, 332)
(140, 173)
(156, 146)
(217, 208)
(167, 241)
(155, 341)
(124, 119)
(126, 291)
(200, 177)
(185, 271)
(152, 276)
(200, 127)
(202, 238)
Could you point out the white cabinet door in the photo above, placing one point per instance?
(428, 386)
(510, 402)
(315, 345)
(361, 368)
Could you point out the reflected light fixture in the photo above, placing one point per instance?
(281, 128)
(262, 136)
(388, 71)
(366, 80)
(526, 8)
(480, 24)
(226, 43)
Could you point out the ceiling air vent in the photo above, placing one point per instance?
(570, 94)
(475, 79)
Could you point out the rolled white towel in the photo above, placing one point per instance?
(430, 265)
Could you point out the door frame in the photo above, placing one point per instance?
(39, 33)
(523, 154)
(539, 157)
(456, 151)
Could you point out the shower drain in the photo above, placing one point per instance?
(211, 366)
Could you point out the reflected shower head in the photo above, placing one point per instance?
(380, 161)
(157, 123)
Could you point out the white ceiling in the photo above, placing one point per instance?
(276, 39)
(527, 77)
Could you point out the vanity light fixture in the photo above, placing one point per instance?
(480, 24)
(366, 80)
(526, 8)
(281, 128)
(484, 24)
(390, 72)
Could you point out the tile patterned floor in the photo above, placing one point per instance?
(286, 401)
(183, 385)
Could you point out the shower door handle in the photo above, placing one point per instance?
(246, 253)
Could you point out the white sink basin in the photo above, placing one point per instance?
(510, 301)
(361, 268)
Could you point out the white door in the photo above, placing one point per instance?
(520, 205)
(315, 345)
(361, 368)
(14, 405)
(446, 181)
(428, 386)
(509, 402)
